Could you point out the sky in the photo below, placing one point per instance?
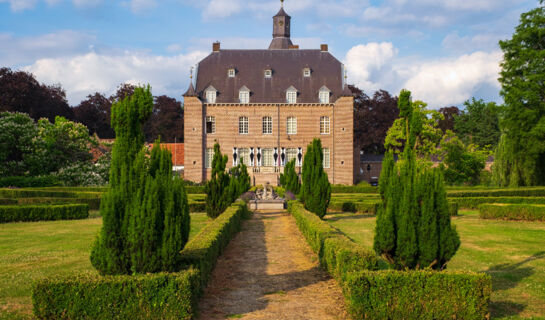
(444, 51)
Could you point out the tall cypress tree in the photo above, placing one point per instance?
(218, 197)
(289, 179)
(413, 227)
(316, 189)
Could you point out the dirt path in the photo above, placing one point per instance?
(269, 272)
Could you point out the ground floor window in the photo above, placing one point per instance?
(326, 162)
(208, 157)
(268, 157)
(244, 155)
(291, 153)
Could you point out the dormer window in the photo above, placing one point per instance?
(268, 73)
(306, 72)
(244, 95)
(211, 94)
(231, 72)
(291, 95)
(323, 95)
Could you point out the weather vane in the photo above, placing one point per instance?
(191, 73)
(282, 3)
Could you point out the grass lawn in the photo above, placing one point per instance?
(33, 250)
(512, 252)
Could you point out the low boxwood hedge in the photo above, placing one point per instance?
(353, 189)
(53, 193)
(94, 203)
(513, 192)
(418, 295)
(4, 201)
(368, 206)
(194, 189)
(474, 202)
(204, 249)
(18, 213)
(528, 212)
(151, 296)
(197, 206)
(26, 182)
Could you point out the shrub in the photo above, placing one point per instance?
(93, 203)
(197, 206)
(151, 296)
(281, 192)
(527, 212)
(514, 192)
(4, 201)
(353, 189)
(315, 189)
(218, 196)
(289, 196)
(18, 213)
(54, 193)
(204, 249)
(290, 179)
(349, 207)
(367, 206)
(28, 182)
(247, 196)
(418, 295)
(474, 202)
(239, 181)
(452, 209)
(195, 189)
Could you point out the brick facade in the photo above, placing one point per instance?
(339, 140)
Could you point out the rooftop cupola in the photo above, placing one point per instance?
(281, 30)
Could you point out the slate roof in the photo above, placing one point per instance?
(287, 70)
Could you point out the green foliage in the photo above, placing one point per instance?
(528, 212)
(93, 203)
(369, 207)
(86, 173)
(461, 164)
(152, 296)
(290, 179)
(474, 202)
(316, 190)
(17, 144)
(349, 206)
(521, 154)
(27, 182)
(218, 197)
(49, 192)
(479, 124)
(204, 249)
(15, 213)
(239, 181)
(514, 192)
(413, 227)
(145, 211)
(353, 189)
(418, 295)
(337, 253)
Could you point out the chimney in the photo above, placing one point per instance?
(294, 47)
(216, 46)
(324, 47)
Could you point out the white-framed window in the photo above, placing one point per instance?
(291, 153)
(211, 94)
(306, 72)
(291, 95)
(244, 155)
(327, 154)
(291, 124)
(324, 125)
(210, 125)
(244, 97)
(243, 125)
(323, 95)
(267, 125)
(267, 155)
(231, 73)
(268, 73)
(208, 157)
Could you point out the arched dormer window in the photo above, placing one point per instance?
(244, 95)
(211, 94)
(268, 73)
(231, 72)
(323, 94)
(291, 95)
(306, 72)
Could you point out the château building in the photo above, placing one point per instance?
(265, 106)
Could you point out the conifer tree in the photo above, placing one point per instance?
(289, 179)
(145, 207)
(218, 197)
(239, 181)
(315, 190)
(413, 227)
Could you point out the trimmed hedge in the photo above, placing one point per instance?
(39, 193)
(369, 207)
(204, 249)
(515, 192)
(26, 182)
(353, 189)
(474, 202)
(526, 212)
(194, 189)
(75, 189)
(4, 201)
(93, 203)
(197, 206)
(337, 253)
(13, 213)
(452, 208)
(391, 294)
(151, 296)
(418, 295)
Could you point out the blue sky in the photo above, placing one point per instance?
(445, 51)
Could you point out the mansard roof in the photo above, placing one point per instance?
(287, 65)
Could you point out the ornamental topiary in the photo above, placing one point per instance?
(316, 190)
(289, 179)
(218, 197)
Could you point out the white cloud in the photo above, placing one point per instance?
(439, 82)
(20, 5)
(483, 41)
(86, 3)
(138, 6)
(85, 74)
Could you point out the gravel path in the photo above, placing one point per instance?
(269, 272)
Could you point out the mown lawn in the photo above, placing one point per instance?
(512, 252)
(33, 250)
